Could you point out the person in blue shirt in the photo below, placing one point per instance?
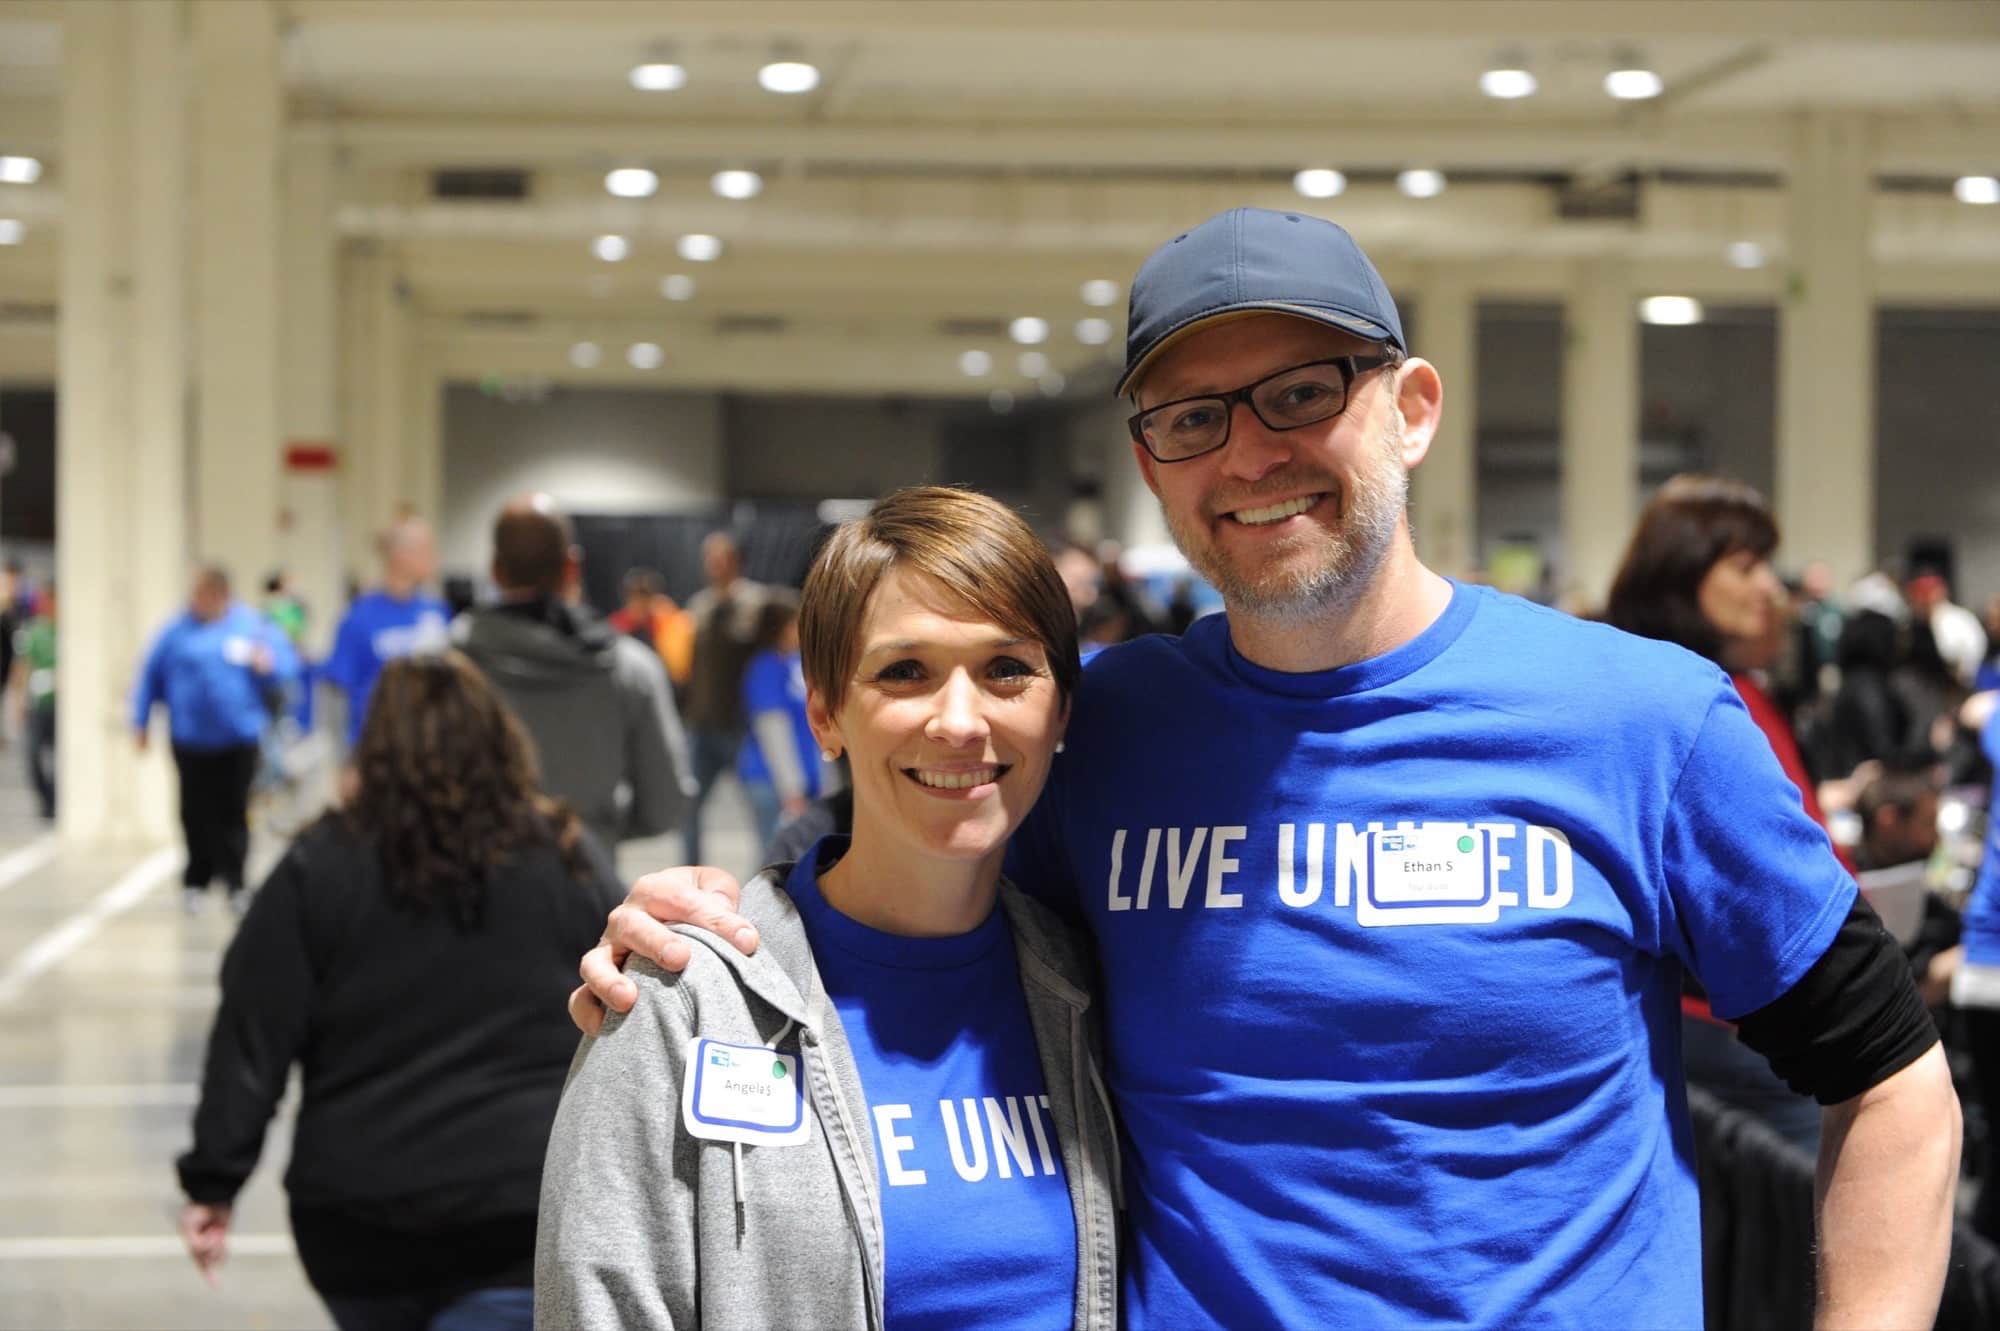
(215, 668)
(1393, 880)
(779, 762)
(1975, 987)
(891, 1116)
(394, 620)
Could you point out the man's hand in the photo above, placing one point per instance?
(204, 1229)
(697, 895)
(143, 740)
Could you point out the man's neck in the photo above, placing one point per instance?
(1399, 603)
(399, 588)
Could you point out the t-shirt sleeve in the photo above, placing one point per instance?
(340, 662)
(764, 685)
(1754, 894)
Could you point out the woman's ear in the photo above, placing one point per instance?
(826, 733)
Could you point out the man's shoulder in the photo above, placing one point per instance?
(1536, 646)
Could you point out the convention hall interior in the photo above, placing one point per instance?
(281, 279)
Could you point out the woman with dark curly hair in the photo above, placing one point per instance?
(417, 1158)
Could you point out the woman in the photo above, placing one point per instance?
(416, 1161)
(779, 762)
(1698, 573)
(890, 1115)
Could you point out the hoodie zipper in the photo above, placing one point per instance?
(808, 1040)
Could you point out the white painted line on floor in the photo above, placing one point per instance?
(50, 949)
(19, 864)
(59, 1096)
(100, 1246)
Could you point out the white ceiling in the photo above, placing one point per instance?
(965, 162)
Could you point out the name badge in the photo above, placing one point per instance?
(237, 651)
(1433, 874)
(743, 1093)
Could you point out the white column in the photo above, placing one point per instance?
(121, 552)
(422, 453)
(1600, 431)
(1444, 492)
(312, 541)
(1131, 515)
(1826, 352)
(238, 123)
(379, 343)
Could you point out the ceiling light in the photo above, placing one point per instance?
(677, 286)
(11, 231)
(1633, 85)
(1001, 401)
(1033, 364)
(632, 182)
(788, 76)
(975, 363)
(658, 77)
(1028, 330)
(1746, 254)
(1052, 384)
(1421, 183)
(611, 248)
(1670, 311)
(1100, 291)
(737, 184)
(1319, 182)
(585, 355)
(699, 248)
(19, 170)
(1093, 332)
(1508, 84)
(645, 356)
(1977, 189)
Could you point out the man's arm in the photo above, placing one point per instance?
(696, 895)
(1888, 1164)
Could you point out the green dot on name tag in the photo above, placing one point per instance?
(777, 1069)
(1465, 845)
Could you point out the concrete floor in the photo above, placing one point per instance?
(106, 992)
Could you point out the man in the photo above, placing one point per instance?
(1393, 880)
(1960, 638)
(725, 634)
(215, 667)
(394, 620)
(33, 686)
(596, 703)
(651, 616)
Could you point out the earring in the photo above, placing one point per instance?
(828, 755)
(1059, 746)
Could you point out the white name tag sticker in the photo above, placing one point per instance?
(237, 651)
(1434, 874)
(743, 1093)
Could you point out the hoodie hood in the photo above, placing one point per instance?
(536, 644)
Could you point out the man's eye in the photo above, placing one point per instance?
(1193, 421)
(1303, 395)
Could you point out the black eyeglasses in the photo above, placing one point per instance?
(1288, 400)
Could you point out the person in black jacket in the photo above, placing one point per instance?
(417, 1158)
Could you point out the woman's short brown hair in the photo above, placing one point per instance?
(1691, 525)
(977, 550)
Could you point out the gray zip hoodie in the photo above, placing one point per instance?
(599, 708)
(644, 1227)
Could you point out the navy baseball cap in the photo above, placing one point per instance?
(1252, 261)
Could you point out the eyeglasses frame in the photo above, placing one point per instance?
(1351, 368)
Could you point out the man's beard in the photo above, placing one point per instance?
(1344, 559)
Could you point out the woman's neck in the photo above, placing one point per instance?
(898, 892)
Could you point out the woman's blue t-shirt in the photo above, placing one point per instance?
(978, 1227)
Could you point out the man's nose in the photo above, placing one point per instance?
(1254, 449)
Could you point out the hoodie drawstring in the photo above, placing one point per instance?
(736, 1148)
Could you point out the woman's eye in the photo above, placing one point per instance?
(900, 672)
(1011, 667)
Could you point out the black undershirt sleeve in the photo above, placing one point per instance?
(1851, 1022)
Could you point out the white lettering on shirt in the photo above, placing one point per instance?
(894, 1144)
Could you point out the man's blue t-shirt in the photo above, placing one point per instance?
(977, 1224)
(1982, 908)
(206, 675)
(1392, 959)
(775, 682)
(378, 629)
